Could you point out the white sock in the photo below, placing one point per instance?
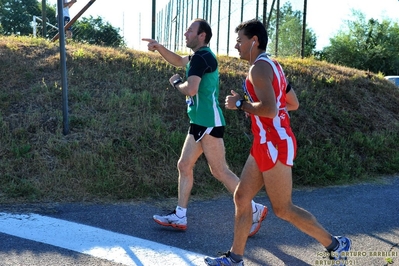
(181, 212)
(253, 206)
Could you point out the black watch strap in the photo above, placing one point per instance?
(239, 104)
(177, 81)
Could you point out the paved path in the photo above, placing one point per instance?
(367, 213)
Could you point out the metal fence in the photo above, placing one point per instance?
(91, 30)
(171, 21)
(222, 15)
(38, 25)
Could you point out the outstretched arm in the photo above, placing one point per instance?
(70, 3)
(169, 56)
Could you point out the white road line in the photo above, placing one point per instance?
(96, 242)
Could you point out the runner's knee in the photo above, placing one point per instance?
(241, 198)
(184, 166)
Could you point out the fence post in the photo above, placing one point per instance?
(242, 10)
(197, 8)
(304, 29)
(270, 13)
(153, 19)
(277, 23)
(44, 18)
(217, 39)
(64, 83)
(34, 25)
(264, 13)
(210, 13)
(169, 24)
(228, 28)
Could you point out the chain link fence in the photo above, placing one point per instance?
(32, 18)
(122, 27)
(222, 15)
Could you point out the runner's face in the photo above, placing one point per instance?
(192, 40)
(243, 45)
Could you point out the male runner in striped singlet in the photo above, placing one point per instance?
(273, 150)
(205, 134)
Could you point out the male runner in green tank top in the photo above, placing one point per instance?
(207, 122)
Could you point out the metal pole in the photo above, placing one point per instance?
(169, 24)
(60, 4)
(176, 26)
(203, 9)
(34, 24)
(181, 26)
(44, 18)
(153, 18)
(270, 13)
(228, 28)
(277, 23)
(162, 21)
(192, 10)
(159, 36)
(186, 23)
(217, 39)
(210, 13)
(304, 29)
(264, 13)
(242, 10)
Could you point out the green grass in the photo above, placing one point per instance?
(127, 124)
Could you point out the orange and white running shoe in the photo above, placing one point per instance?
(172, 220)
(257, 218)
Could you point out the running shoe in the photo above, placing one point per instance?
(224, 260)
(172, 220)
(340, 252)
(257, 218)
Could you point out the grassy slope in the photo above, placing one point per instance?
(127, 124)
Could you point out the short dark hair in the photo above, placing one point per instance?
(254, 27)
(204, 27)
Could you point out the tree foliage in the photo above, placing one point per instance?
(366, 44)
(16, 15)
(96, 31)
(16, 18)
(290, 33)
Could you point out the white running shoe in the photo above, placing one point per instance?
(257, 218)
(172, 220)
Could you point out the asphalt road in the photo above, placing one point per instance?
(367, 213)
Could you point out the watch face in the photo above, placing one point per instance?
(238, 103)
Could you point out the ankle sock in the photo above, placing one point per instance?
(181, 212)
(235, 257)
(334, 244)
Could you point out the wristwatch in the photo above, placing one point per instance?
(177, 81)
(239, 104)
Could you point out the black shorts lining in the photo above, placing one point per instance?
(199, 131)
